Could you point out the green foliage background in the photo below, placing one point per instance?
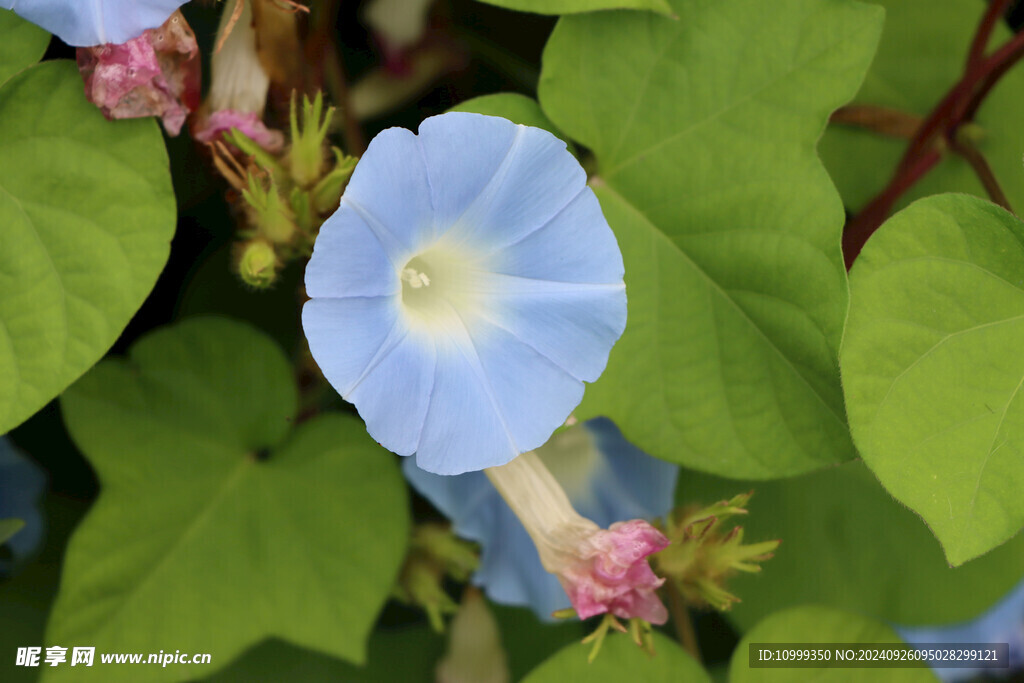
(878, 417)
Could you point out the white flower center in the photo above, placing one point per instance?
(441, 287)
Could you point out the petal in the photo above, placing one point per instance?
(534, 180)
(576, 245)
(630, 484)
(574, 326)
(390, 191)
(82, 23)
(462, 152)
(463, 430)
(345, 335)
(212, 127)
(395, 418)
(1001, 623)
(348, 260)
(495, 397)
(22, 482)
(510, 569)
(511, 573)
(534, 395)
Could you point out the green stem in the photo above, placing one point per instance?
(685, 632)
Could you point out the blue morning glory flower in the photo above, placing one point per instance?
(21, 484)
(607, 480)
(465, 289)
(1003, 623)
(82, 23)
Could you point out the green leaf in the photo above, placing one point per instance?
(514, 107)
(816, 624)
(528, 641)
(846, 543)
(21, 44)
(88, 213)
(407, 655)
(933, 368)
(573, 6)
(620, 660)
(921, 56)
(704, 131)
(9, 527)
(215, 515)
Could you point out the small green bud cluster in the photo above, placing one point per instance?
(702, 556)
(257, 263)
(284, 198)
(435, 553)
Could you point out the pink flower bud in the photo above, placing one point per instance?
(156, 74)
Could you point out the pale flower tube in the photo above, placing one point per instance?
(601, 570)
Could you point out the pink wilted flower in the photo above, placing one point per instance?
(609, 573)
(601, 570)
(249, 123)
(156, 74)
(238, 84)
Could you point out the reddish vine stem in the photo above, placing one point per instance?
(939, 129)
(996, 10)
(983, 171)
(861, 227)
(1004, 58)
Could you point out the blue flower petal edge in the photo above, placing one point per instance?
(82, 23)
(22, 482)
(464, 290)
(607, 480)
(1003, 623)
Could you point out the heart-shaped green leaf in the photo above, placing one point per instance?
(846, 543)
(21, 44)
(620, 660)
(514, 107)
(407, 654)
(573, 6)
(816, 624)
(933, 369)
(704, 131)
(218, 524)
(88, 213)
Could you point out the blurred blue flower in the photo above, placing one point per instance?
(22, 482)
(465, 289)
(82, 23)
(1003, 623)
(607, 480)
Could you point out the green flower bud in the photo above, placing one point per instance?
(700, 557)
(257, 264)
(271, 215)
(327, 193)
(306, 158)
(434, 553)
(458, 558)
